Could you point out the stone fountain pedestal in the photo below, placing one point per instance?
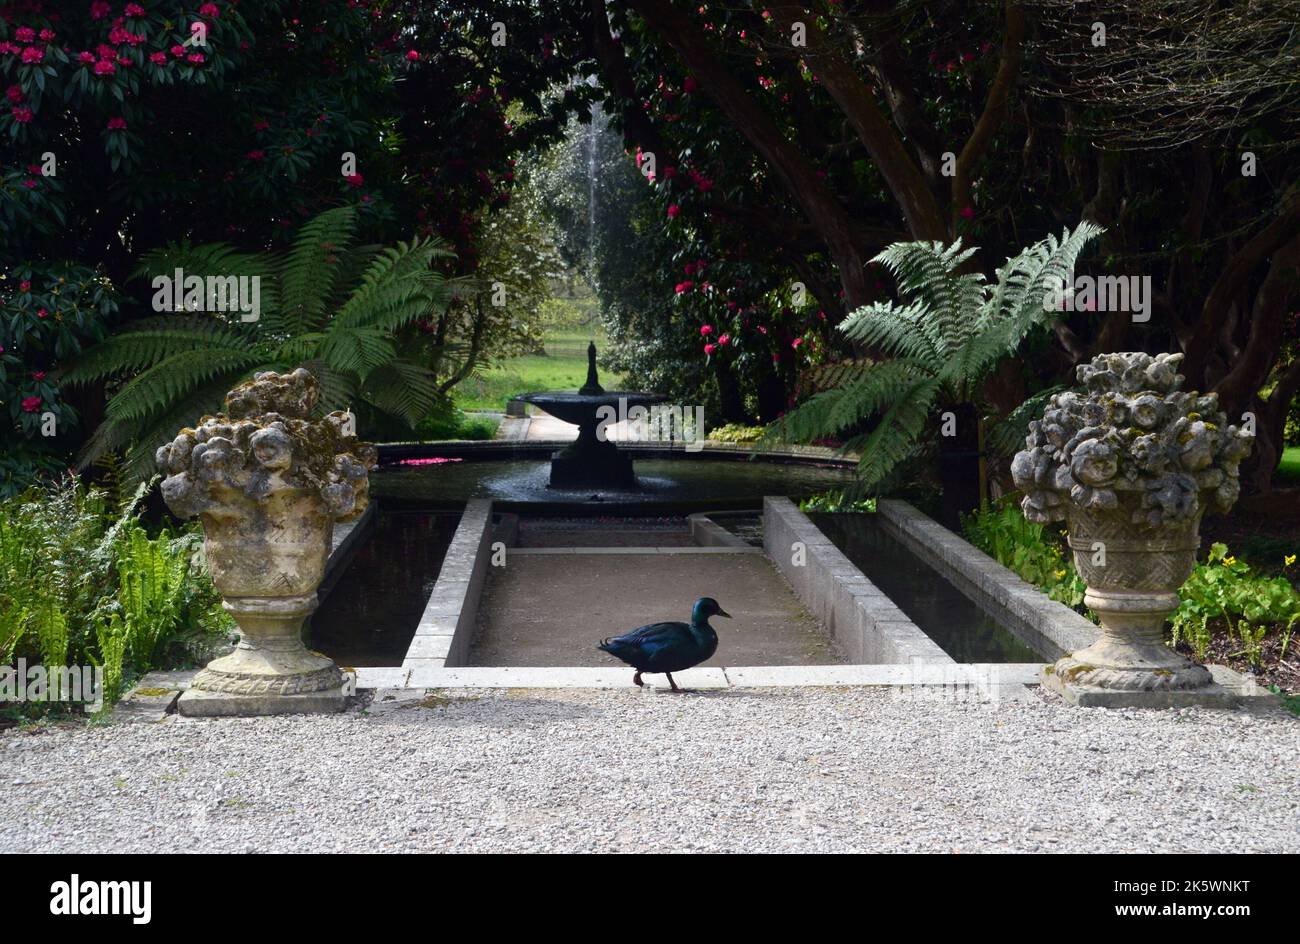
(592, 461)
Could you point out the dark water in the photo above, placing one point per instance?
(961, 627)
(369, 618)
(698, 482)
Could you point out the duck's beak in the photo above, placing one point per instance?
(722, 612)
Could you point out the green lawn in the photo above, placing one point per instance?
(563, 367)
(1288, 470)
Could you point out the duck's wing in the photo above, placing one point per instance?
(650, 640)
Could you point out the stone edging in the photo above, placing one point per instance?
(1053, 626)
(447, 624)
(862, 619)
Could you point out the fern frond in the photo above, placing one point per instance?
(310, 270)
(151, 340)
(402, 388)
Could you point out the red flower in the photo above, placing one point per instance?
(967, 213)
(29, 184)
(14, 93)
(673, 211)
(796, 342)
(709, 349)
(261, 124)
(104, 67)
(99, 9)
(25, 286)
(685, 286)
(689, 85)
(355, 180)
(195, 57)
(256, 155)
(158, 58)
(117, 124)
(210, 11)
(25, 34)
(22, 115)
(38, 375)
(86, 57)
(724, 339)
(33, 54)
(412, 56)
(706, 330)
(134, 9)
(31, 404)
(47, 35)
(177, 51)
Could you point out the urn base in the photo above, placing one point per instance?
(203, 704)
(270, 660)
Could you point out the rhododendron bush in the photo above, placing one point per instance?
(129, 126)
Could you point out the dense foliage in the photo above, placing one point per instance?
(83, 583)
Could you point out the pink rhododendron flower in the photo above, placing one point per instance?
(158, 58)
(38, 375)
(25, 34)
(134, 9)
(967, 213)
(706, 330)
(195, 57)
(26, 286)
(29, 183)
(709, 349)
(33, 54)
(796, 342)
(31, 404)
(355, 180)
(117, 124)
(256, 155)
(685, 286)
(99, 9)
(412, 56)
(177, 51)
(673, 211)
(14, 93)
(86, 57)
(689, 85)
(724, 339)
(104, 67)
(47, 35)
(689, 268)
(22, 115)
(210, 11)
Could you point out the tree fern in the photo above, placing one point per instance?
(953, 330)
(326, 303)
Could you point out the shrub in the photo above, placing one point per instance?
(1024, 547)
(737, 433)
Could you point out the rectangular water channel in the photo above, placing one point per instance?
(370, 615)
(960, 627)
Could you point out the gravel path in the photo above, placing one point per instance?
(739, 770)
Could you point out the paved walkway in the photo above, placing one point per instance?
(740, 770)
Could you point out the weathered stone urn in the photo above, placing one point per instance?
(268, 482)
(1131, 463)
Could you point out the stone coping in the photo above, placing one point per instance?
(708, 533)
(868, 626)
(542, 448)
(989, 678)
(446, 626)
(1032, 614)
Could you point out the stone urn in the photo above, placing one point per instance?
(268, 483)
(1131, 464)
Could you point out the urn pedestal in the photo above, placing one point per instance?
(1131, 463)
(268, 482)
(1132, 573)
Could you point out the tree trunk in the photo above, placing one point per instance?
(959, 465)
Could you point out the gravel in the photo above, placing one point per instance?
(738, 770)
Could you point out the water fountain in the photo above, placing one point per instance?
(592, 460)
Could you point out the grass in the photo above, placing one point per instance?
(562, 367)
(1288, 470)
